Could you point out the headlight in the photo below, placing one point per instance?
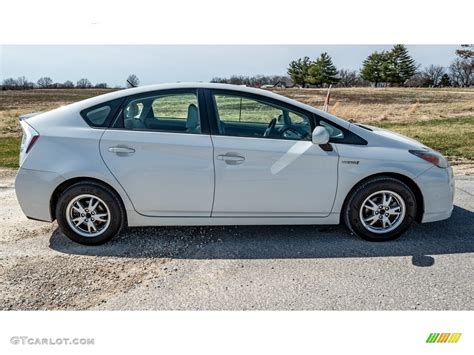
(432, 157)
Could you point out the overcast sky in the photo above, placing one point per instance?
(163, 63)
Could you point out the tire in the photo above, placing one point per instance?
(77, 220)
(380, 222)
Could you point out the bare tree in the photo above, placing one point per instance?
(349, 78)
(418, 80)
(462, 68)
(84, 84)
(461, 72)
(44, 82)
(68, 84)
(101, 86)
(10, 84)
(256, 80)
(132, 81)
(433, 74)
(23, 83)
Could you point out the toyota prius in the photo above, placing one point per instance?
(216, 154)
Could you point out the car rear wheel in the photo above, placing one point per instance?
(380, 209)
(89, 213)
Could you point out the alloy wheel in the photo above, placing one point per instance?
(382, 212)
(88, 215)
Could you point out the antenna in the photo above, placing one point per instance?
(133, 86)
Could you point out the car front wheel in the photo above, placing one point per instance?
(89, 213)
(380, 209)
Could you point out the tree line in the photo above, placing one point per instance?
(395, 67)
(255, 81)
(22, 83)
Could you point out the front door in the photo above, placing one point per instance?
(160, 155)
(265, 162)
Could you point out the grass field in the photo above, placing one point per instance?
(453, 137)
(440, 118)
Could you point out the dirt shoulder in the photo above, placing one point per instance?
(237, 267)
(7, 177)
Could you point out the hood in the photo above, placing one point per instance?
(389, 137)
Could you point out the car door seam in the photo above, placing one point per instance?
(110, 171)
(337, 179)
(214, 170)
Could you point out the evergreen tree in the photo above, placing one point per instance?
(445, 81)
(374, 68)
(298, 71)
(401, 66)
(323, 71)
(394, 67)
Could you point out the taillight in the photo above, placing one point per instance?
(32, 142)
(30, 137)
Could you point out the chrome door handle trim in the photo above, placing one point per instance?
(121, 150)
(231, 158)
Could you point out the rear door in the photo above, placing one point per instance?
(161, 152)
(265, 162)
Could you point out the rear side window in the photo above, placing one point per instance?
(100, 115)
(176, 112)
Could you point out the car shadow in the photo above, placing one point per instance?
(454, 235)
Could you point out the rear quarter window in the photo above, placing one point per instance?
(101, 115)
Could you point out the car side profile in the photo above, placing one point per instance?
(216, 154)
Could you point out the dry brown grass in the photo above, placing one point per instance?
(16, 103)
(358, 104)
(390, 104)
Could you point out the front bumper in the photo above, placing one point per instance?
(34, 189)
(437, 187)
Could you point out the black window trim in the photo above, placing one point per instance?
(118, 122)
(111, 116)
(349, 136)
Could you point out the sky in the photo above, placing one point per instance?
(154, 64)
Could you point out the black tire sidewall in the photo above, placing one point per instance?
(352, 217)
(114, 205)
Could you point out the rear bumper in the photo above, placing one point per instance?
(437, 188)
(34, 189)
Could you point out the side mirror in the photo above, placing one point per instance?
(320, 135)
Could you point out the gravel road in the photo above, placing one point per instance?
(238, 268)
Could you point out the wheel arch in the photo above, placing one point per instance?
(68, 183)
(403, 178)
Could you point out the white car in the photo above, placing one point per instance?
(214, 154)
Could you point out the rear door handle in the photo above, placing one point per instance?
(231, 158)
(123, 150)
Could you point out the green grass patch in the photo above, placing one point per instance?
(9, 152)
(453, 137)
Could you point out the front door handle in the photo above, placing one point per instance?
(123, 150)
(231, 158)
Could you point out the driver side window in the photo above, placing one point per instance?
(246, 117)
